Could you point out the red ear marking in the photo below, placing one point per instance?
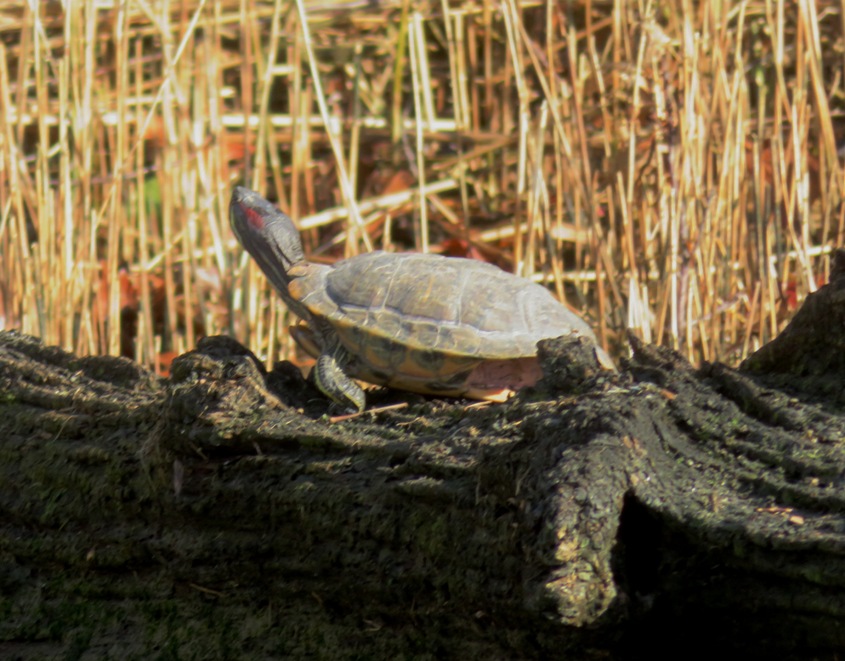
(253, 218)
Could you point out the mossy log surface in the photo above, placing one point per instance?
(221, 514)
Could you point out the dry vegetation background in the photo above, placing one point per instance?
(667, 166)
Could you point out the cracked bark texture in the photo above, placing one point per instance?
(220, 514)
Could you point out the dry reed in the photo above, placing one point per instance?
(671, 167)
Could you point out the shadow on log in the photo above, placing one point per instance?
(220, 514)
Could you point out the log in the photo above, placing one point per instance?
(221, 513)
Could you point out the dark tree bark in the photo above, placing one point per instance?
(218, 515)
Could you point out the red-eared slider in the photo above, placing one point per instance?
(424, 323)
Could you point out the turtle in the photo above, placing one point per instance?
(424, 323)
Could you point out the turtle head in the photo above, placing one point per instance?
(267, 234)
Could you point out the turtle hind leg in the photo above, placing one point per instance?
(329, 377)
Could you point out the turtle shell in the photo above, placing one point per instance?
(426, 322)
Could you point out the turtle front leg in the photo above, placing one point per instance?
(333, 382)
